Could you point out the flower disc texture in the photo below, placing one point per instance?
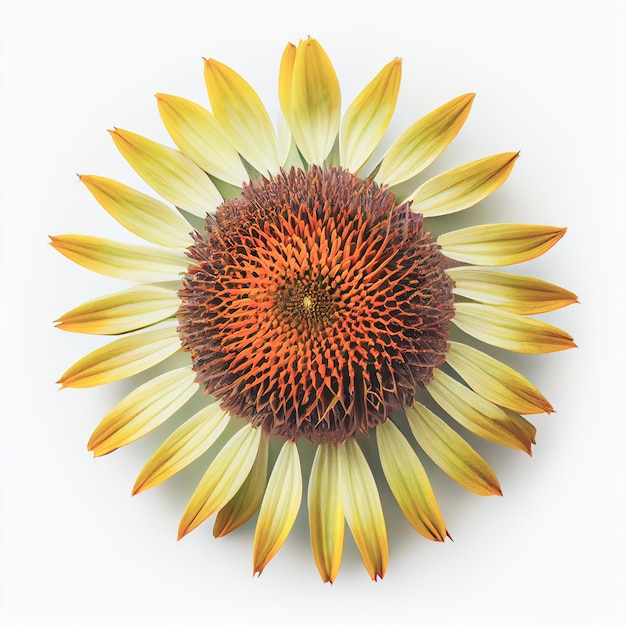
(317, 306)
(311, 302)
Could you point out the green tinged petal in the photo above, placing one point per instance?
(499, 244)
(496, 381)
(517, 294)
(423, 142)
(122, 358)
(279, 507)
(121, 312)
(451, 452)
(243, 117)
(143, 410)
(326, 512)
(198, 135)
(509, 331)
(169, 172)
(313, 108)
(368, 117)
(222, 480)
(139, 213)
(479, 416)
(409, 483)
(194, 437)
(121, 260)
(245, 503)
(362, 508)
(464, 186)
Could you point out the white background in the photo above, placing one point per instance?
(76, 549)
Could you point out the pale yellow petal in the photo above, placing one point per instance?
(243, 117)
(123, 357)
(198, 135)
(222, 480)
(409, 483)
(315, 103)
(284, 141)
(367, 118)
(496, 381)
(464, 186)
(139, 213)
(190, 440)
(518, 294)
(279, 507)
(169, 172)
(121, 260)
(326, 512)
(245, 503)
(510, 331)
(479, 416)
(142, 410)
(361, 504)
(121, 312)
(451, 452)
(423, 142)
(499, 244)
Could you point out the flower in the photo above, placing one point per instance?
(312, 302)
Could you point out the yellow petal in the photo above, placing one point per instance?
(496, 381)
(121, 312)
(409, 483)
(516, 333)
(121, 260)
(121, 358)
(143, 410)
(480, 416)
(194, 437)
(326, 512)
(464, 186)
(285, 79)
(367, 118)
(499, 244)
(142, 215)
(451, 452)
(361, 504)
(279, 507)
(223, 478)
(315, 103)
(169, 172)
(243, 117)
(423, 142)
(199, 136)
(245, 503)
(518, 294)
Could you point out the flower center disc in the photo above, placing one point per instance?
(314, 306)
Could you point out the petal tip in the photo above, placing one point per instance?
(138, 487)
(219, 532)
(258, 568)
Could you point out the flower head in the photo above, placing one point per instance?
(312, 302)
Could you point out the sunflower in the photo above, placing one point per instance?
(311, 302)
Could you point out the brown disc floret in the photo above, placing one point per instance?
(314, 306)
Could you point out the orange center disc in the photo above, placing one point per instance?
(314, 306)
